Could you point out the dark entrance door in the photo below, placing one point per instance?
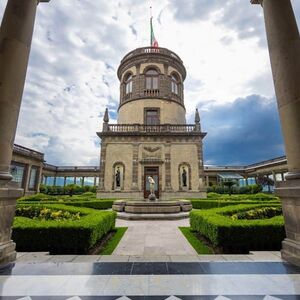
(154, 173)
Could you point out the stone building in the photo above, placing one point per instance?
(151, 137)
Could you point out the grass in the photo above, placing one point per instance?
(197, 244)
(111, 245)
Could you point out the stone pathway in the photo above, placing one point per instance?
(154, 238)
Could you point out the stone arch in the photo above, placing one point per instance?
(149, 67)
(121, 167)
(187, 167)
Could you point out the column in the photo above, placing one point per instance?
(15, 40)
(54, 181)
(135, 165)
(102, 166)
(82, 183)
(247, 183)
(95, 181)
(282, 176)
(284, 48)
(40, 179)
(207, 181)
(27, 178)
(65, 180)
(168, 183)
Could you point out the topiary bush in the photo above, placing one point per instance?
(239, 235)
(63, 236)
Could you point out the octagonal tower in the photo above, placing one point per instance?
(151, 137)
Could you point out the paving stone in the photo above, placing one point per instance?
(114, 258)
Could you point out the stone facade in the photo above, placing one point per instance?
(151, 137)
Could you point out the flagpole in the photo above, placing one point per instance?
(150, 26)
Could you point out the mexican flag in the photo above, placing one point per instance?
(154, 42)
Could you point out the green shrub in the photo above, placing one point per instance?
(62, 236)
(100, 204)
(239, 236)
(258, 213)
(208, 204)
(37, 197)
(43, 213)
(70, 189)
(250, 189)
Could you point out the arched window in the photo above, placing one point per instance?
(152, 79)
(175, 84)
(128, 84)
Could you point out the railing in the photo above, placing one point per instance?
(128, 96)
(267, 162)
(151, 128)
(147, 50)
(28, 152)
(71, 168)
(151, 93)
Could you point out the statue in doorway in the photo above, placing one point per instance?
(152, 188)
(118, 178)
(184, 177)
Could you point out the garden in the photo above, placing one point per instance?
(77, 222)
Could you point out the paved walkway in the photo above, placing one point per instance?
(153, 238)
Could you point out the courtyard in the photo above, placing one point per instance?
(157, 217)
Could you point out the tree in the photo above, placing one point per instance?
(229, 184)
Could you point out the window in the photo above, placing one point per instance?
(33, 178)
(17, 172)
(128, 84)
(175, 84)
(152, 117)
(152, 80)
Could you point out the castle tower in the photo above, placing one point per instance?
(151, 137)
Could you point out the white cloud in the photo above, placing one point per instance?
(78, 45)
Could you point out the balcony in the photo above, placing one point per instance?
(151, 93)
(142, 129)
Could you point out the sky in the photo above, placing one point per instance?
(78, 45)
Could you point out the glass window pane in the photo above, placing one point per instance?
(69, 180)
(155, 83)
(89, 181)
(17, 173)
(33, 178)
(148, 83)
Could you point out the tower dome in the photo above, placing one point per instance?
(151, 87)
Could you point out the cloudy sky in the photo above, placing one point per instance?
(78, 45)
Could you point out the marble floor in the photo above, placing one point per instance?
(235, 280)
(152, 238)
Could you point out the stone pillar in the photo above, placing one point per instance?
(54, 181)
(40, 179)
(282, 176)
(95, 181)
(168, 184)
(135, 166)
(247, 183)
(284, 47)
(65, 180)
(102, 166)
(15, 41)
(207, 181)
(27, 178)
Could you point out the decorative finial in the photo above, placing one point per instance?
(197, 117)
(106, 116)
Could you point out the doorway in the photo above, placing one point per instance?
(154, 173)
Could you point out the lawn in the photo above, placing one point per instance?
(197, 244)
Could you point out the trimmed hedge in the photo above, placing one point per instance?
(208, 204)
(100, 204)
(62, 237)
(238, 236)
